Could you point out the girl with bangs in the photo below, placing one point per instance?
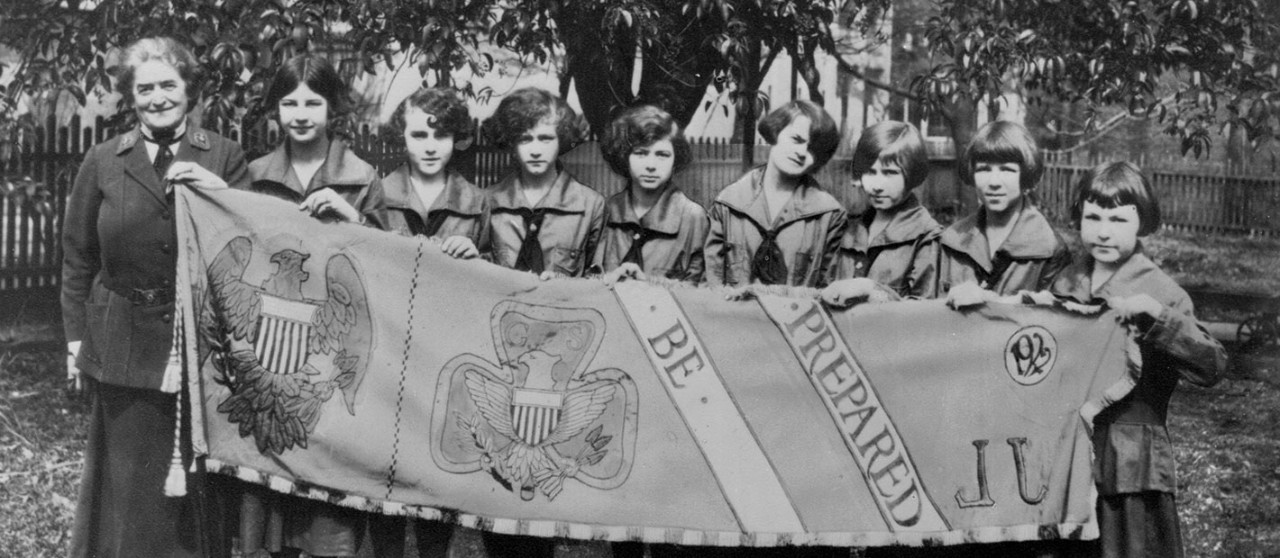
(1134, 466)
(1133, 454)
(1007, 245)
(651, 228)
(894, 243)
(425, 196)
(776, 226)
(541, 219)
(312, 166)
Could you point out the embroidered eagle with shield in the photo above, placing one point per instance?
(539, 417)
(281, 353)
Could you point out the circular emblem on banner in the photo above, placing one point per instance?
(1030, 354)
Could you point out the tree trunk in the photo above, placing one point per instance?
(674, 75)
(601, 72)
(809, 71)
(749, 100)
(961, 117)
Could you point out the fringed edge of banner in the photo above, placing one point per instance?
(658, 535)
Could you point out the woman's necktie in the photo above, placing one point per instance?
(164, 157)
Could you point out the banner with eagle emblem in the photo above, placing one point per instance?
(367, 369)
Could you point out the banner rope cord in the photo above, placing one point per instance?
(404, 368)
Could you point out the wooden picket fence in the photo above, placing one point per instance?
(1206, 198)
(1226, 201)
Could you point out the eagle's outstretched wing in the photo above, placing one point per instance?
(493, 399)
(581, 408)
(336, 316)
(342, 323)
(238, 303)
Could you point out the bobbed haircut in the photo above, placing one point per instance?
(449, 113)
(1112, 185)
(639, 127)
(524, 109)
(892, 143)
(319, 75)
(1004, 142)
(824, 136)
(161, 49)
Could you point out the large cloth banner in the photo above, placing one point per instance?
(369, 370)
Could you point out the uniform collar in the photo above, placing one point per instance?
(746, 196)
(1076, 281)
(664, 217)
(1031, 237)
(341, 168)
(193, 136)
(506, 194)
(459, 195)
(911, 222)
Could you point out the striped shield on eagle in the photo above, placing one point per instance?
(283, 330)
(535, 413)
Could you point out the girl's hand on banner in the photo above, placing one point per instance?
(73, 372)
(845, 292)
(623, 272)
(549, 275)
(1136, 306)
(191, 174)
(459, 247)
(966, 295)
(327, 202)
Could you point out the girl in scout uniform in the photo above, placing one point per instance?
(650, 225)
(318, 171)
(118, 267)
(1007, 245)
(775, 225)
(313, 167)
(1134, 466)
(425, 197)
(1133, 455)
(541, 219)
(894, 243)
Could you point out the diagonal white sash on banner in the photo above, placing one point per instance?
(747, 479)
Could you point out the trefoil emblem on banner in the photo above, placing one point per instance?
(539, 417)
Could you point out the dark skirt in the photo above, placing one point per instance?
(1141, 525)
(122, 511)
(270, 521)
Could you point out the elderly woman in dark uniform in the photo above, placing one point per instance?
(118, 271)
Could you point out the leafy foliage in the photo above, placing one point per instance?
(682, 45)
(1195, 65)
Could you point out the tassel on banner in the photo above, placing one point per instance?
(175, 484)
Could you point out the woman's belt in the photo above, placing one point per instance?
(141, 297)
